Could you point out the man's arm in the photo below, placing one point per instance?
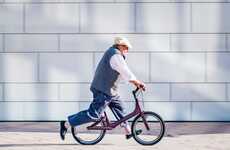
(118, 63)
(138, 84)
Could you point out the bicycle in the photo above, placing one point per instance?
(151, 125)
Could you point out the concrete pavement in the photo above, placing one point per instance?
(179, 136)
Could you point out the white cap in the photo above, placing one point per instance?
(122, 41)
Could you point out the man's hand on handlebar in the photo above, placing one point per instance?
(138, 84)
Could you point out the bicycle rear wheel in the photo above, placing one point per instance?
(87, 137)
(152, 130)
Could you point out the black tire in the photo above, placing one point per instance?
(148, 137)
(79, 132)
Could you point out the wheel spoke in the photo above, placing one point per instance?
(87, 137)
(152, 127)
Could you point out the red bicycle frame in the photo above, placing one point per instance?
(107, 125)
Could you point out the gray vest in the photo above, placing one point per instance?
(105, 78)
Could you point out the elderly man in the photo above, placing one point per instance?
(104, 87)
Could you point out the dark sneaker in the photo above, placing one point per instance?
(138, 132)
(63, 130)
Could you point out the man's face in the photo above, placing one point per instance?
(123, 48)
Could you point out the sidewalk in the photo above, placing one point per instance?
(179, 136)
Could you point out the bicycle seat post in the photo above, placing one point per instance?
(105, 118)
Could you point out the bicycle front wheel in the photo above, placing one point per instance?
(148, 129)
(87, 137)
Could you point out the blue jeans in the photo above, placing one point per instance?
(97, 108)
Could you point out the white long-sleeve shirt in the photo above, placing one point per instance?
(118, 63)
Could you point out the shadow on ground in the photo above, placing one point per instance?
(172, 128)
(41, 145)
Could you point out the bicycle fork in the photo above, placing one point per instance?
(144, 120)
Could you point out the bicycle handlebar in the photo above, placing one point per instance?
(135, 91)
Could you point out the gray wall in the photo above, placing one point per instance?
(49, 50)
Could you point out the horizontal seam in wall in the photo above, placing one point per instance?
(166, 121)
(42, 82)
(112, 2)
(163, 101)
(99, 33)
(133, 51)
